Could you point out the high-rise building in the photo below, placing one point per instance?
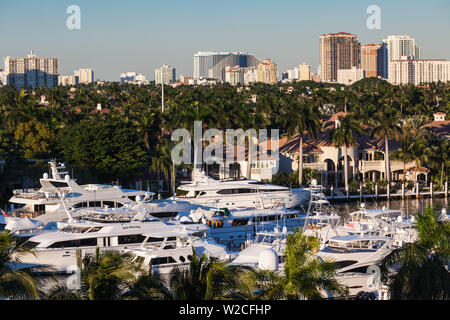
(31, 71)
(338, 51)
(234, 75)
(133, 77)
(267, 72)
(293, 74)
(67, 80)
(400, 46)
(166, 74)
(369, 59)
(85, 76)
(212, 64)
(304, 72)
(419, 71)
(350, 76)
(250, 75)
(185, 79)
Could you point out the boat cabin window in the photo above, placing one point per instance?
(58, 184)
(236, 191)
(345, 263)
(95, 229)
(90, 242)
(29, 244)
(266, 218)
(181, 193)
(75, 229)
(162, 260)
(239, 222)
(359, 270)
(132, 238)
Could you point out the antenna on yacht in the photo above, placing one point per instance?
(69, 214)
(260, 197)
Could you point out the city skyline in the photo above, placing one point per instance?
(124, 37)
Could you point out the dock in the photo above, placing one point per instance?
(417, 193)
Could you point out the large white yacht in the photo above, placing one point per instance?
(355, 256)
(44, 204)
(60, 249)
(244, 193)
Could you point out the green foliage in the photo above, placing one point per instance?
(416, 271)
(14, 284)
(305, 275)
(109, 147)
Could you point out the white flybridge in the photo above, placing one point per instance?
(44, 204)
(244, 193)
(321, 218)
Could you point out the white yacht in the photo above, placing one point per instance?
(61, 248)
(44, 204)
(162, 258)
(244, 193)
(234, 227)
(355, 255)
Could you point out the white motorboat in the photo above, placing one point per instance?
(244, 193)
(355, 256)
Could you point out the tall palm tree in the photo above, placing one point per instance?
(206, 279)
(305, 275)
(14, 283)
(385, 125)
(436, 153)
(344, 135)
(302, 118)
(147, 286)
(104, 275)
(416, 271)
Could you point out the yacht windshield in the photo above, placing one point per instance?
(75, 229)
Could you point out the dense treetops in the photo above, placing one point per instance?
(116, 128)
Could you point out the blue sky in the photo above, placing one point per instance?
(140, 35)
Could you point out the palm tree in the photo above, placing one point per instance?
(344, 136)
(416, 271)
(412, 138)
(385, 125)
(147, 286)
(305, 275)
(104, 275)
(437, 154)
(301, 118)
(205, 280)
(14, 283)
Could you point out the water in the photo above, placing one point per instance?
(410, 206)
